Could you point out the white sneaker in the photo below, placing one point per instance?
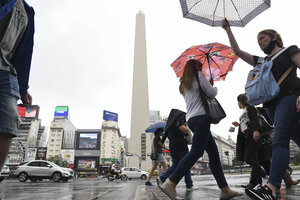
(192, 188)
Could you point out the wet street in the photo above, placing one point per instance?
(91, 189)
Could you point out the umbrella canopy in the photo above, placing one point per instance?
(217, 60)
(174, 115)
(153, 127)
(212, 12)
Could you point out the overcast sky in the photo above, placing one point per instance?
(83, 56)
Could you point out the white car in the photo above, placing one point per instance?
(5, 171)
(132, 172)
(41, 169)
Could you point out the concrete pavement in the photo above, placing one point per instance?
(94, 189)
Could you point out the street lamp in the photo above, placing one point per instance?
(139, 157)
(227, 154)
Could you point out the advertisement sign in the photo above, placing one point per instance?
(87, 164)
(31, 154)
(61, 111)
(68, 155)
(28, 111)
(110, 116)
(41, 153)
(88, 140)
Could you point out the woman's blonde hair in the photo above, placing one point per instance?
(188, 75)
(272, 33)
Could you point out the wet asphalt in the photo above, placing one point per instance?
(93, 189)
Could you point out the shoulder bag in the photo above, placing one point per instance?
(261, 86)
(213, 108)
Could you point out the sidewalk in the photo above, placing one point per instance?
(209, 190)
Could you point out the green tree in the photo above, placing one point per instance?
(296, 159)
(236, 162)
(58, 160)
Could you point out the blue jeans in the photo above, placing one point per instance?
(9, 95)
(175, 161)
(202, 140)
(283, 114)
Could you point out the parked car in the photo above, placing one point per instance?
(40, 169)
(132, 172)
(5, 171)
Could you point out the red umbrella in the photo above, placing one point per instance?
(217, 60)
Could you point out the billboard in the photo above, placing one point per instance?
(87, 164)
(110, 116)
(68, 155)
(61, 111)
(88, 140)
(29, 111)
(41, 153)
(31, 154)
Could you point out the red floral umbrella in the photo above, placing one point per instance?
(217, 60)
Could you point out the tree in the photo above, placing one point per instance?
(236, 162)
(58, 160)
(296, 159)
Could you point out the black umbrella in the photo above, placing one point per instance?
(212, 12)
(174, 116)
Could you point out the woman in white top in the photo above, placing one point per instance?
(200, 126)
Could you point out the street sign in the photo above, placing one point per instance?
(129, 154)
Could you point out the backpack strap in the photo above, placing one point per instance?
(285, 75)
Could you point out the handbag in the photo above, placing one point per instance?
(154, 156)
(214, 111)
(261, 86)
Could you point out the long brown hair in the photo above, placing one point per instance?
(272, 33)
(188, 75)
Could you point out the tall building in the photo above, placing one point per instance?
(62, 132)
(31, 135)
(154, 116)
(140, 99)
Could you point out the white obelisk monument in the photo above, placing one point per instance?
(140, 99)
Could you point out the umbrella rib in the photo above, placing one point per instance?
(215, 11)
(237, 11)
(193, 6)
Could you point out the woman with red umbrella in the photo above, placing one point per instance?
(200, 126)
(283, 110)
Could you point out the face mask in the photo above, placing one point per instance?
(270, 47)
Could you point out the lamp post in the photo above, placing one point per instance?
(139, 157)
(227, 154)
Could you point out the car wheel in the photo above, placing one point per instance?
(56, 177)
(23, 176)
(143, 177)
(33, 179)
(124, 178)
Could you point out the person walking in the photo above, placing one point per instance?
(176, 131)
(16, 39)
(200, 126)
(283, 110)
(249, 127)
(158, 146)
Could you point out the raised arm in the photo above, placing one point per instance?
(248, 58)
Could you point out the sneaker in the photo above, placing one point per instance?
(226, 196)
(260, 193)
(167, 190)
(149, 184)
(249, 185)
(192, 188)
(159, 182)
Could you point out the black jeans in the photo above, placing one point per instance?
(251, 151)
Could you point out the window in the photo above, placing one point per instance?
(34, 164)
(44, 164)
